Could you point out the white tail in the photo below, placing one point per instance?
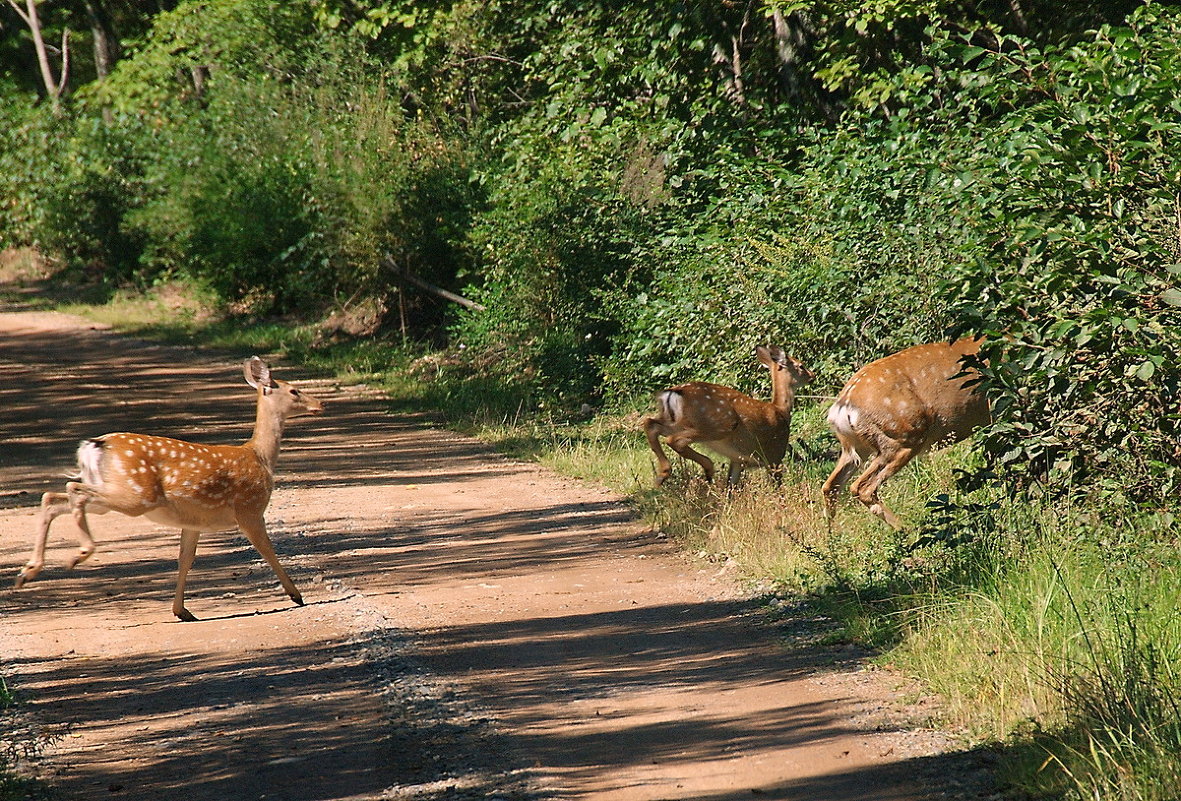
(896, 408)
(744, 430)
(193, 487)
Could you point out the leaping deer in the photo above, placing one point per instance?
(735, 425)
(194, 487)
(896, 408)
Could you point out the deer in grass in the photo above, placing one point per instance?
(197, 488)
(896, 408)
(746, 431)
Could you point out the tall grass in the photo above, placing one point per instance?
(1070, 637)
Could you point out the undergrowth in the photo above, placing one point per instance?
(20, 742)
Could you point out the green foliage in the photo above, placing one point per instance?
(272, 170)
(93, 191)
(1065, 632)
(1124, 711)
(639, 199)
(546, 248)
(1080, 296)
(202, 43)
(27, 158)
(70, 183)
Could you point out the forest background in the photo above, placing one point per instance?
(635, 194)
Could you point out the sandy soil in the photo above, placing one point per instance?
(475, 627)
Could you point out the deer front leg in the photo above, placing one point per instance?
(188, 552)
(776, 452)
(734, 474)
(256, 531)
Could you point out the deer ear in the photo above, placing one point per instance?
(258, 373)
(766, 355)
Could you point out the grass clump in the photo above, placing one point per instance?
(20, 742)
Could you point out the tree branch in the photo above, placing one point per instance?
(20, 13)
(410, 278)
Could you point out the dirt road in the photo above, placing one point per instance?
(474, 628)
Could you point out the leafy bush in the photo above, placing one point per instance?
(281, 194)
(1078, 190)
(546, 249)
(27, 160)
(71, 181)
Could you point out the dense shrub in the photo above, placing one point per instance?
(70, 181)
(1082, 180)
(1038, 208)
(27, 160)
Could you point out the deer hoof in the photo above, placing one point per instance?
(297, 598)
(82, 556)
(185, 615)
(27, 572)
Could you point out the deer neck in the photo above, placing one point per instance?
(783, 391)
(268, 434)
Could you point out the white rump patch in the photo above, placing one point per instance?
(90, 462)
(843, 417)
(672, 405)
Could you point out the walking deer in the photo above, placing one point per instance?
(896, 408)
(197, 488)
(745, 430)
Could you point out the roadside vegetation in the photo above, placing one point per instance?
(630, 198)
(20, 742)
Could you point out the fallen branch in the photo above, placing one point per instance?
(410, 278)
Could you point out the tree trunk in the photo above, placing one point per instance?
(731, 62)
(107, 49)
(793, 46)
(1019, 17)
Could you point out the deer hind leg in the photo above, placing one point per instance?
(884, 465)
(664, 468)
(81, 496)
(188, 552)
(53, 506)
(681, 444)
(256, 531)
(845, 466)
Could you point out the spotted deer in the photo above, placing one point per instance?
(197, 488)
(746, 431)
(896, 408)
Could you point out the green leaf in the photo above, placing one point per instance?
(970, 53)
